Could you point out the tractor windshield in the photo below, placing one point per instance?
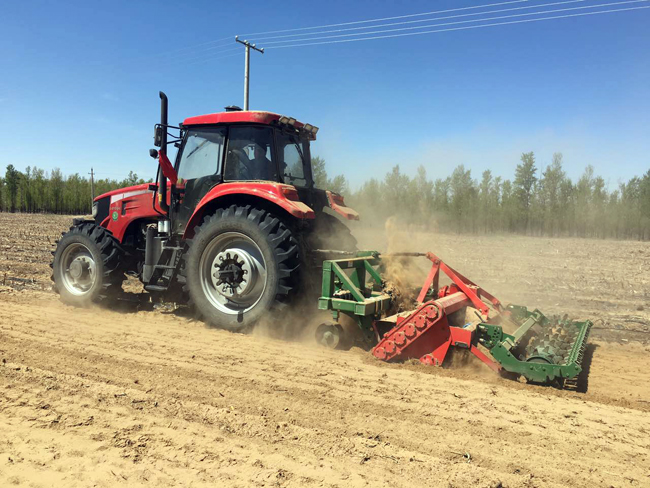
(294, 154)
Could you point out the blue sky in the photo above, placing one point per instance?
(80, 81)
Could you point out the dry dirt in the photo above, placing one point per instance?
(99, 398)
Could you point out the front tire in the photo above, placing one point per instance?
(242, 264)
(87, 265)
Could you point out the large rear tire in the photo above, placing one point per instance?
(87, 266)
(242, 264)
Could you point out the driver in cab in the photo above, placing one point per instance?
(241, 167)
(260, 165)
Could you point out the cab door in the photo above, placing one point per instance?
(199, 169)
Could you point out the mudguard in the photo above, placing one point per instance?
(337, 204)
(284, 196)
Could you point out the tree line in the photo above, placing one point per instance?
(35, 190)
(536, 201)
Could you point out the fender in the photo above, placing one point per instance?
(284, 196)
(337, 204)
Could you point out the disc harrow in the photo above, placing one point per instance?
(459, 314)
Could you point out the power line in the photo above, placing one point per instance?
(202, 56)
(422, 20)
(225, 53)
(176, 52)
(229, 38)
(386, 18)
(212, 58)
(461, 28)
(220, 50)
(303, 35)
(179, 53)
(459, 22)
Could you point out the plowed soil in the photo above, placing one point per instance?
(96, 397)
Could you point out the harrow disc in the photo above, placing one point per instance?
(329, 335)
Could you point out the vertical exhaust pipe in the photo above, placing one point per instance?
(162, 180)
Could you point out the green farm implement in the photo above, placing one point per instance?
(508, 339)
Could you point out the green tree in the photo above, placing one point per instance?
(485, 201)
(645, 205)
(524, 185)
(12, 179)
(508, 207)
(57, 186)
(549, 196)
(39, 190)
(597, 218)
(132, 179)
(567, 204)
(463, 193)
(551, 205)
(422, 197)
(583, 191)
(394, 190)
(319, 172)
(339, 184)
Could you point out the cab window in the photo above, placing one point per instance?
(250, 154)
(202, 153)
(292, 159)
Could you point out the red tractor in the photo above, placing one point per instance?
(231, 226)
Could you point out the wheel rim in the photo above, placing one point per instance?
(233, 273)
(78, 269)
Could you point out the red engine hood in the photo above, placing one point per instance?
(126, 189)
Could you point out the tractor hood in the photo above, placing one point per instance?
(121, 205)
(125, 192)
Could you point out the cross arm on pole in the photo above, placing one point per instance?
(248, 44)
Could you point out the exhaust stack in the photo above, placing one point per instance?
(162, 180)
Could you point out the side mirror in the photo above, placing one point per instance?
(158, 136)
(153, 153)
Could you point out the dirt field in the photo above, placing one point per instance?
(100, 398)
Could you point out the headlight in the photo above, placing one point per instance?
(94, 210)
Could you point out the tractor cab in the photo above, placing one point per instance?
(246, 146)
(238, 146)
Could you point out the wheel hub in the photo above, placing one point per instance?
(77, 269)
(234, 273)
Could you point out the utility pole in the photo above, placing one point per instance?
(92, 186)
(247, 65)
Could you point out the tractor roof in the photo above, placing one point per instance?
(250, 116)
(234, 117)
